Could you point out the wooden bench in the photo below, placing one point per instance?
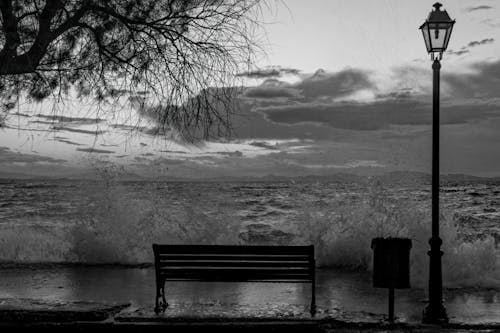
(233, 263)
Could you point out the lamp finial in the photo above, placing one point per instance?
(437, 5)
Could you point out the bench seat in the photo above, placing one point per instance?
(233, 263)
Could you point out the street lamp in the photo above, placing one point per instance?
(436, 31)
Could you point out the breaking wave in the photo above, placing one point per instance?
(117, 227)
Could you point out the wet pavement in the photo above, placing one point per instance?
(127, 296)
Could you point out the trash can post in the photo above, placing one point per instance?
(391, 305)
(391, 266)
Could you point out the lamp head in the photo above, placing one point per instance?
(437, 30)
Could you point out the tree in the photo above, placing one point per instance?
(170, 53)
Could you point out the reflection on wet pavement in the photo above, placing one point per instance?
(341, 295)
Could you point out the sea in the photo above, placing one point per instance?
(111, 221)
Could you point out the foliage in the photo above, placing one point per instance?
(165, 52)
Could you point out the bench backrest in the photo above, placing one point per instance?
(234, 263)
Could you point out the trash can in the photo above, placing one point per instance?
(391, 262)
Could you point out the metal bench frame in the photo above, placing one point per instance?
(233, 263)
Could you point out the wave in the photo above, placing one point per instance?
(342, 238)
(116, 227)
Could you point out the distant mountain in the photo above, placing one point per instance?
(394, 177)
(463, 178)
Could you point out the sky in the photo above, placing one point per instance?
(343, 86)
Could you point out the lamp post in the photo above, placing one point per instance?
(436, 31)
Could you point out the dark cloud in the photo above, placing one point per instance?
(129, 128)
(482, 7)
(148, 154)
(483, 83)
(141, 159)
(336, 84)
(481, 42)
(94, 150)
(43, 122)
(68, 142)
(272, 88)
(230, 153)
(375, 116)
(76, 130)
(19, 114)
(73, 120)
(466, 49)
(173, 151)
(262, 144)
(320, 84)
(403, 93)
(466, 97)
(269, 72)
(7, 156)
(457, 53)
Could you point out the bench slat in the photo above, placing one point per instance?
(284, 280)
(230, 270)
(279, 257)
(235, 276)
(233, 249)
(230, 263)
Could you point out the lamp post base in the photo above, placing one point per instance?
(435, 314)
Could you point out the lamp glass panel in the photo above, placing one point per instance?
(425, 33)
(438, 38)
(448, 35)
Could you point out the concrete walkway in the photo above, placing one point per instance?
(88, 316)
(123, 298)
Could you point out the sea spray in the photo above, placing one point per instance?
(342, 236)
(116, 221)
(121, 226)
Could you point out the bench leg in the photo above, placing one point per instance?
(160, 302)
(313, 299)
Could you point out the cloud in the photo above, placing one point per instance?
(466, 97)
(130, 128)
(491, 23)
(75, 130)
(376, 115)
(272, 88)
(338, 84)
(348, 165)
(230, 153)
(269, 72)
(141, 159)
(466, 49)
(475, 8)
(173, 151)
(74, 120)
(19, 114)
(457, 53)
(94, 150)
(318, 85)
(8, 157)
(482, 83)
(68, 142)
(262, 144)
(481, 42)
